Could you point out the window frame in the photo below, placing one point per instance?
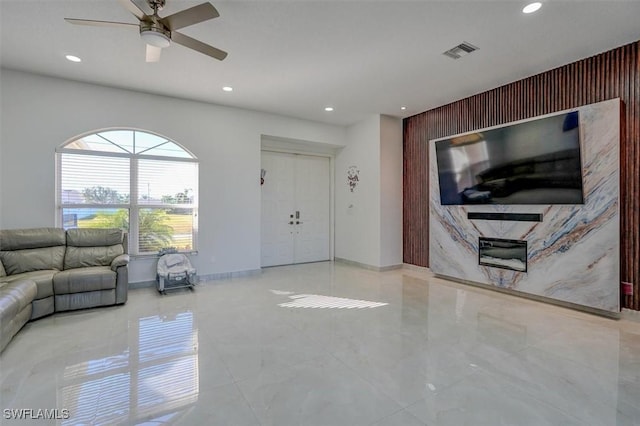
(134, 204)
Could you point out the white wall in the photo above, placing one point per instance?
(358, 212)
(40, 113)
(390, 191)
(369, 219)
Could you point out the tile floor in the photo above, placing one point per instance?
(326, 344)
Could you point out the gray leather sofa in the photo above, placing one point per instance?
(15, 307)
(47, 270)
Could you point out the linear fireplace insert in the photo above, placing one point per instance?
(501, 253)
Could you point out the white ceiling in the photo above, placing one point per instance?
(295, 57)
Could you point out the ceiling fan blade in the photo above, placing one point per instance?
(94, 23)
(143, 5)
(193, 15)
(153, 53)
(197, 45)
(133, 8)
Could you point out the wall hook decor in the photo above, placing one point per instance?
(353, 177)
(263, 173)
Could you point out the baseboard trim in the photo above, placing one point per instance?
(416, 268)
(203, 278)
(142, 284)
(229, 275)
(367, 266)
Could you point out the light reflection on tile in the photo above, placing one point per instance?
(319, 301)
(437, 353)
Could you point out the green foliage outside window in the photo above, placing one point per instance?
(155, 230)
(102, 195)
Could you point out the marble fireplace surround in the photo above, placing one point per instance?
(573, 255)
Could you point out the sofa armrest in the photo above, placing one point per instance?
(120, 260)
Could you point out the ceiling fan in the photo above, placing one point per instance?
(159, 32)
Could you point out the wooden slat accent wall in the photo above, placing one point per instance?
(613, 74)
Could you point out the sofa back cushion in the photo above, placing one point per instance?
(94, 237)
(92, 247)
(33, 249)
(28, 260)
(19, 239)
(80, 257)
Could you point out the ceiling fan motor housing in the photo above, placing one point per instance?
(156, 4)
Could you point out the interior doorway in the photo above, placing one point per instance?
(296, 209)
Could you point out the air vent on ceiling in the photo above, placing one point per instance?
(463, 49)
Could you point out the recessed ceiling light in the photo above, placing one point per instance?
(73, 58)
(403, 108)
(532, 7)
(227, 89)
(328, 109)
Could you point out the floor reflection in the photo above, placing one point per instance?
(155, 379)
(437, 353)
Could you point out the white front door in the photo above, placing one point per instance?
(296, 199)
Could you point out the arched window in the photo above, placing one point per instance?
(131, 179)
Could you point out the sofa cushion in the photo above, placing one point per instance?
(84, 279)
(80, 257)
(94, 237)
(15, 308)
(19, 239)
(14, 297)
(43, 280)
(10, 328)
(33, 259)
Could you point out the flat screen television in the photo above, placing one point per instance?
(534, 162)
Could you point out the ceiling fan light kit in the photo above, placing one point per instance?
(158, 32)
(155, 38)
